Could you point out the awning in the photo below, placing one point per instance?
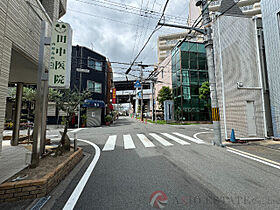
(94, 103)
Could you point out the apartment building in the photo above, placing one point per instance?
(20, 27)
(248, 7)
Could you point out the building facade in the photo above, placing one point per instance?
(271, 24)
(248, 7)
(164, 77)
(20, 28)
(94, 80)
(189, 71)
(242, 89)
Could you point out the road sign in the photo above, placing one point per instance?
(60, 58)
(82, 70)
(139, 94)
(137, 84)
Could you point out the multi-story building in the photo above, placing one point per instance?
(189, 71)
(20, 28)
(164, 77)
(271, 23)
(242, 90)
(92, 78)
(248, 7)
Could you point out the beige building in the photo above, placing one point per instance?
(163, 77)
(248, 7)
(20, 27)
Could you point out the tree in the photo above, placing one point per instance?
(163, 95)
(204, 94)
(68, 101)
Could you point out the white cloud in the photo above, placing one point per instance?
(119, 36)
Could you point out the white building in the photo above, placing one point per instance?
(271, 23)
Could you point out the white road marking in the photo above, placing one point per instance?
(51, 136)
(180, 141)
(196, 134)
(198, 141)
(128, 142)
(253, 158)
(110, 144)
(71, 202)
(77, 130)
(145, 141)
(161, 140)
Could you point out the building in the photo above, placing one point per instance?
(271, 20)
(248, 7)
(163, 78)
(189, 71)
(89, 72)
(20, 28)
(242, 90)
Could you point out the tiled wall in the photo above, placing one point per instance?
(239, 64)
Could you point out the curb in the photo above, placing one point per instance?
(31, 189)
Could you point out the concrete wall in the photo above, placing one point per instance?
(271, 26)
(236, 61)
(20, 26)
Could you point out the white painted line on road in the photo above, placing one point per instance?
(51, 136)
(253, 158)
(145, 141)
(110, 144)
(77, 130)
(174, 138)
(70, 204)
(196, 134)
(160, 139)
(198, 141)
(128, 142)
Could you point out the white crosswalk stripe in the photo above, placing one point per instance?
(160, 139)
(110, 144)
(189, 138)
(145, 141)
(128, 142)
(179, 141)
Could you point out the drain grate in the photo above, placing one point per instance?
(40, 203)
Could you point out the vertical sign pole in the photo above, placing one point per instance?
(37, 133)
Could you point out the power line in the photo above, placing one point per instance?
(156, 29)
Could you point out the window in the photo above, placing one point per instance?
(90, 63)
(95, 87)
(98, 66)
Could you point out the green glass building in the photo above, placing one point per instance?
(189, 71)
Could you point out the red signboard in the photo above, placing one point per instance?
(114, 96)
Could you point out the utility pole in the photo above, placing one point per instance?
(142, 102)
(211, 71)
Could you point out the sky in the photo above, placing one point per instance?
(118, 29)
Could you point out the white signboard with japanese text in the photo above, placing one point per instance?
(60, 58)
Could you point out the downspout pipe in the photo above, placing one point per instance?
(260, 76)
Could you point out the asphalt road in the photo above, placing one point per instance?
(193, 174)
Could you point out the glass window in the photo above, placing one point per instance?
(98, 87)
(90, 63)
(95, 87)
(98, 66)
(90, 85)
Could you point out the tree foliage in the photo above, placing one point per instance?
(164, 94)
(204, 91)
(68, 101)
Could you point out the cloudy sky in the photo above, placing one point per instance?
(118, 29)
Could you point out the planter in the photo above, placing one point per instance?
(107, 123)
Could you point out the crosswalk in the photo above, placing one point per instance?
(151, 140)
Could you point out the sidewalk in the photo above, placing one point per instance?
(268, 149)
(12, 160)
